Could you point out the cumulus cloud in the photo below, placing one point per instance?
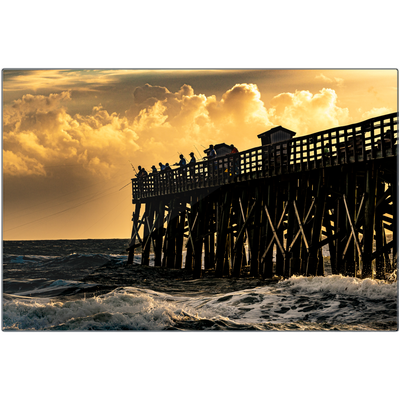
(376, 112)
(304, 112)
(38, 132)
(20, 164)
(168, 122)
(338, 81)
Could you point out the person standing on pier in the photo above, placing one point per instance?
(192, 162)
(141, 172)
(182, 161)
(212, 153)
(234, 160)
(192, 159)
(182, 165)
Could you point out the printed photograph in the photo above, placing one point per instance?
(200, 200)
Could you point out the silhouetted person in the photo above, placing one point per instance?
(141, 172)
(182, 161)
(212, 153)
(234, 149)
(192, 162)
(192, 159)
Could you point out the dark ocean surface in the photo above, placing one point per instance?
(83, 285)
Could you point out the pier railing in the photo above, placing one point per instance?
(368, 140)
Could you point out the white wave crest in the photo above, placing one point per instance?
(327, 301)
(117, 310)
(338, 284)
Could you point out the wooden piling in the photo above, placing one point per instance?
(314, 254)
(198, 238)
(179, 234)
(159, 233)
(222, 233)
(255, 239)
(147, 236)
(369, 218)
(132, 244)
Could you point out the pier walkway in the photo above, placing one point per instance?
(373, 139)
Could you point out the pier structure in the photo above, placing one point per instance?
(271, 209)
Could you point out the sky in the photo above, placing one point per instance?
(72, 137)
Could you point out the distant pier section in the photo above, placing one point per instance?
(270, 210)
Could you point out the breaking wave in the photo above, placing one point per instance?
(298, 303)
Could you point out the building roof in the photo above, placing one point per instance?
(276, 129)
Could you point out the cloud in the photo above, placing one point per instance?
(61, 79)
(376, 112)
(39, 133)
(338, 81)
(169, 122)
(19, 164)
(304, 112)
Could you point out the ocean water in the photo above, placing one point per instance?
(85, 285)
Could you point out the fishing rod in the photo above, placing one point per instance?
(125, 186)
(134, 169)
(197, 151)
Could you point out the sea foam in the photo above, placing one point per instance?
(318, 303)
(117, 310)
(338, 284)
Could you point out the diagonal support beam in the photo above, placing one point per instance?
(167, 219)
(244, 226)
(301, 228)
(150, 231)
(352, 227)
(136, 233)
(191, 228)
(241, 231)
(355, 225)
(277, 227)
(274, 233)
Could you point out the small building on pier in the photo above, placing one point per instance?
(276, 135)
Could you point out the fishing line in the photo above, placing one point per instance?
(60, 212)
(198, 151)
(104, 216)
(125, 185)
(65, 202)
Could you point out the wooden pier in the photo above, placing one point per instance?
(270, 210)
